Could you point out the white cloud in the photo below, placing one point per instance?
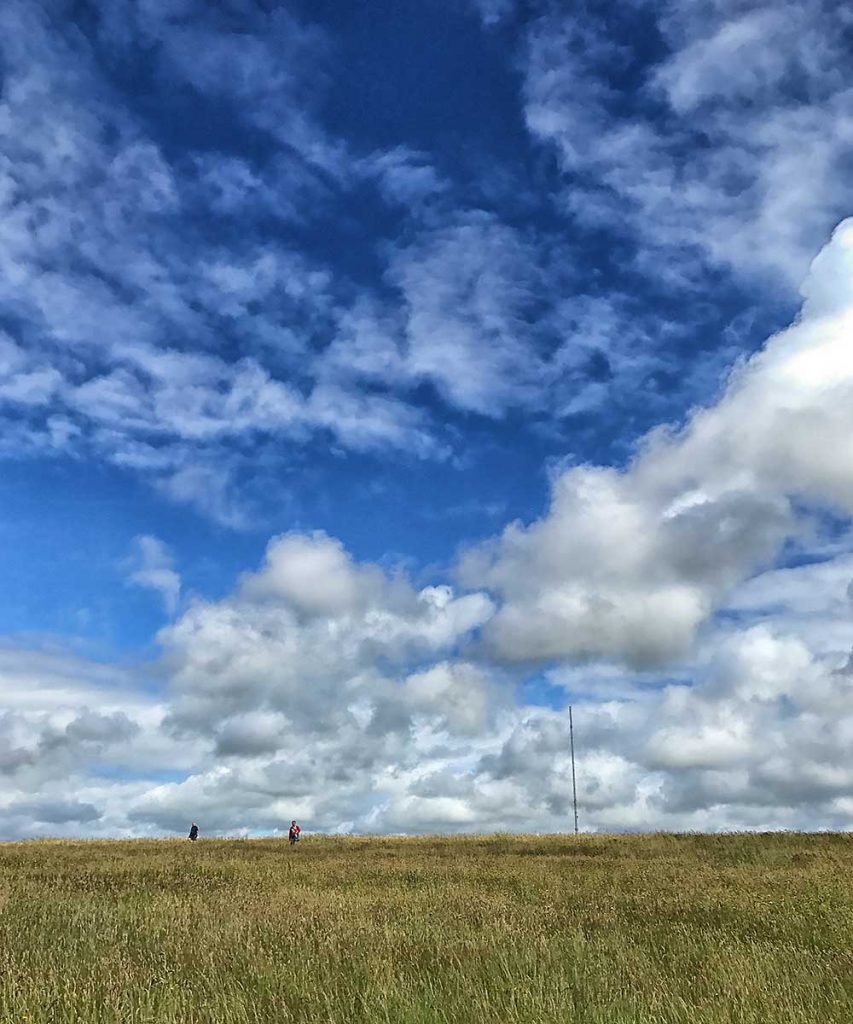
(492, 12)
(405, 177)
(306, 636)
(313, 574)
(746, 165)
(630, 563)
(63, 720)
(458, 693)
(316, 713)
(477, 318)
(812, 603)
(23, 381)
(207, 484)
(756, 741)
(151, 565)
(468, 288)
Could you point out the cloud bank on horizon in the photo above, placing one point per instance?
(254, 284)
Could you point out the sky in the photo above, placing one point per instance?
(378, 380)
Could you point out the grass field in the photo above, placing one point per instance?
(592, 929)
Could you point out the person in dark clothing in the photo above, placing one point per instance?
(193, 832)
(293, 834)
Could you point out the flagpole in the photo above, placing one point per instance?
(574, 783)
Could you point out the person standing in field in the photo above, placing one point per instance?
(193, 832)
(293, 834)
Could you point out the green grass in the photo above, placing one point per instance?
(596, 929)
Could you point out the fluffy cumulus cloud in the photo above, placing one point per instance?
(79, 739)
(755, 740)
(312, 686)
(324, 641)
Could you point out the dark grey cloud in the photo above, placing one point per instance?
(56, 812)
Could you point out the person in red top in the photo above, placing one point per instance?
(293, 834)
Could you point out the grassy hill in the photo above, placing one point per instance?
(593, 929)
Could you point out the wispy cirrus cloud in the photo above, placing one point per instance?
(733, 146)
(151, 566)
(493, 12)
(168, 317)
(132, 347)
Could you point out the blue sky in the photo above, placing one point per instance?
(394, 325)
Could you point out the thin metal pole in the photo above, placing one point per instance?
(574, 784)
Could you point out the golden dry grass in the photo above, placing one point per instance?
(596, 929)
